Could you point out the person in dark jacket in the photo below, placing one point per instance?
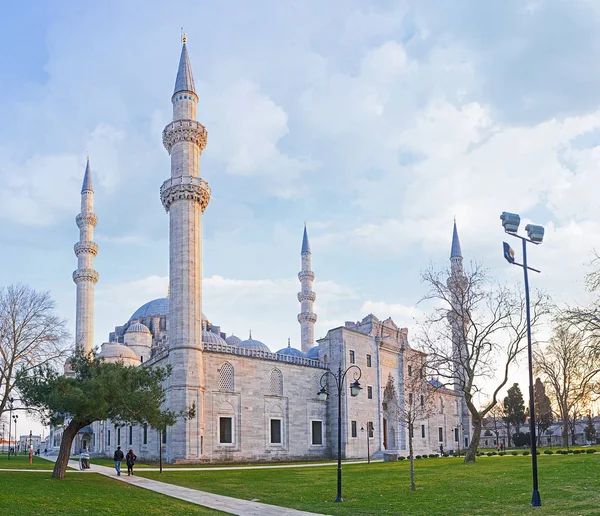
(119, 456)
(130, 458)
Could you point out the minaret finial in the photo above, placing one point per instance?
(250, 335)
(169, 290)
(289, 345)
(183, 35)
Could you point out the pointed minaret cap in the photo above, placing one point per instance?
(455, 252)
(305, 244)
(185, 79)
(87, 178)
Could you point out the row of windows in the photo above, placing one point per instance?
(186, 97)
(227, 431)
(440, 433)
(353, 358)
(130, 442)
(227, 381)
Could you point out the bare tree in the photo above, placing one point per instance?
(495, 420)
(31, 335)
(418, 405)
(475, 333)
(569, 372)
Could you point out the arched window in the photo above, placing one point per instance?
(276, 382)
(226, 377)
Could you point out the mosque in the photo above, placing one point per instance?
(252, 404)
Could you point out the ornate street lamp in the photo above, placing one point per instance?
(355, 389)
(369, 426)
(535, 234)
(15, 418)
(10, 409)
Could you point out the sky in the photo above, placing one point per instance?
(375, 123)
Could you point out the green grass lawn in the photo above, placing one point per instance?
(492, 486)
(38, 493)
(22, 462)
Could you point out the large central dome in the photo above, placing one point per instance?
(155, 308)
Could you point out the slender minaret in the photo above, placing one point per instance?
(85, 277)
(185, 196)
(306, 296)
(456, 284)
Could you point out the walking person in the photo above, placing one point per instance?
(130, 458)
(119, 456)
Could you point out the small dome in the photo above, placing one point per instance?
(208, 337)
(233, 340)
(137, 327)
(290, 351)
(250, 343)
(313, 353)
(118, 351)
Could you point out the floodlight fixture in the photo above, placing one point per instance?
(535, 233)
(510, 221)
(509, 254)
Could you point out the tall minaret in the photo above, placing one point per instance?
(456, 285)
(306, 296)
(185, 196)
(85, 277)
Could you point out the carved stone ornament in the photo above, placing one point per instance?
(86, 247)
(307, 316)
(86, 220)
(188, 188)
(310, 275)
(184, 131)
(85, 275)
(306, 296)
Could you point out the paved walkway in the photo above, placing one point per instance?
(213, 501)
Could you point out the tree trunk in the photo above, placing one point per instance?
(412, 460)
(471, 454)
(64, 454)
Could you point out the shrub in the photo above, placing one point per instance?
(576, 452)
(526, 452)
(548, 452)
(502, 454)
(434, 455)
(401, 457)
(590, 450)
(423, 456)
(446, 454)
(514, 453)
(417, 456)
(537, 452)
(494, 453)
(569, 451)
(559, 451)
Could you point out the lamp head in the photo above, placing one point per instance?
(355, 388)
(322, 394)
(509, 254)
(535, 233)
(510, 221)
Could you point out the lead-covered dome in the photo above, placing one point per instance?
(233, 340)
(250, 343)
(155, 308)
(113, 352)
(137, 328)
(290, 351)
(208, 337)
(313, 353)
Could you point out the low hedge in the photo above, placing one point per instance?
(526, 452)
(548, 452)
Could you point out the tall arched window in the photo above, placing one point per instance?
(226, 377)
(276, 382)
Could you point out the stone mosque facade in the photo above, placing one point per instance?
(252, 404)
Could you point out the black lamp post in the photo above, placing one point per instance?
(15, 417)
(323, 394)
(510, 222)
(369, 426)
(10, 409)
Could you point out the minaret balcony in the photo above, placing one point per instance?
(307, 317)
(306, 275)
(86, 220)
(188, 188)
(306, 296)
(184, 131)
(86, 247)
(81, 275)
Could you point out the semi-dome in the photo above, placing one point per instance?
(209, 337)
(313, 353)
(250, 343)
(137, 328)
(233, 340)
(290, 351)
(155, 308)
(115, 350)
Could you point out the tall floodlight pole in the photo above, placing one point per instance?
(510, 222)
(10, 409)
(354, 390)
